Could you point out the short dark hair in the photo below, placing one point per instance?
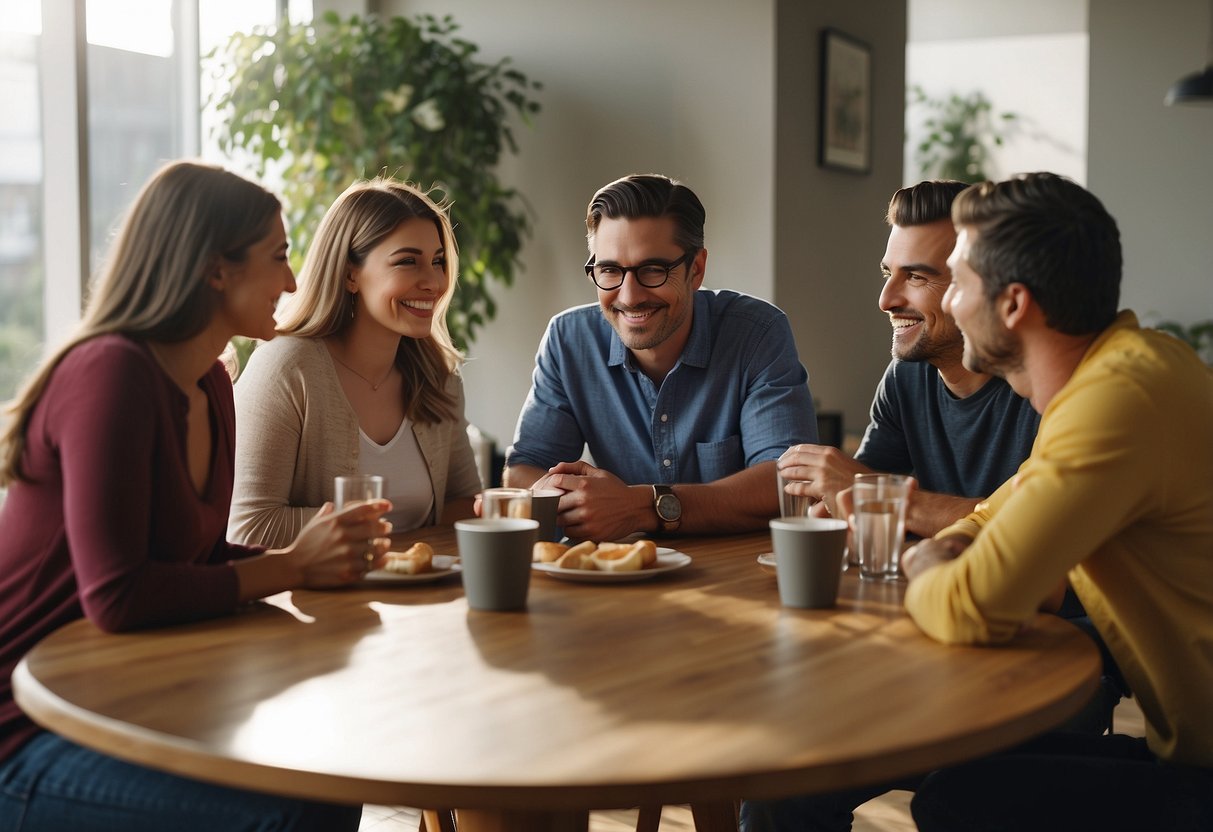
(649, 195)
(927, 202)
(1051, 235)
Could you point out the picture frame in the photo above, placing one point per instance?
(845, 121)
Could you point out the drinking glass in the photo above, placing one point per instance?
(359, 488)
(505, 502)
(879, 503)
(791, 505)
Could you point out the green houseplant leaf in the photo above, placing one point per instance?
(319, 106)
(960, 132)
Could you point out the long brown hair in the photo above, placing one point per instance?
(366, 213)
(154, 286)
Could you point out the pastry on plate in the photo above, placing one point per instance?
(414, 560)
(545, 552)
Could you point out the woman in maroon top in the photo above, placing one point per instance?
(118, 458)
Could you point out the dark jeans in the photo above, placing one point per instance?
(1062, 781)
(52, 785)
(1067, 782)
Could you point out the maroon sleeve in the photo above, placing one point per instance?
(110, 415)
(218, 386)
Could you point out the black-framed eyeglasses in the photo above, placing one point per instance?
(649, 274)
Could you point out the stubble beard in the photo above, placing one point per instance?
(648, 337)
(1001, 356)
(926, 348)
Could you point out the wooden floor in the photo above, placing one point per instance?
(887, 813)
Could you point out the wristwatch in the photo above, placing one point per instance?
(668, 508)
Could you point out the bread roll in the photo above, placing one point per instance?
(628, 559)
(585, 547)
(577, 556)
(611, 551)
(648, 552)
(545, 552)
(570, 560)
(414, 560)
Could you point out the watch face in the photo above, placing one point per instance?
(668, 507)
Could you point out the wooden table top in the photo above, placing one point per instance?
(693, 686)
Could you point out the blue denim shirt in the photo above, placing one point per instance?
(737, 396)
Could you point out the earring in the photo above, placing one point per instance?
(353, 304)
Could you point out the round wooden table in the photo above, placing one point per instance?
(694, 686)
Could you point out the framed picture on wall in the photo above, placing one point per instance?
(846, 103)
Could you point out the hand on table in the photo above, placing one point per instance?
(596, 504)
(339, 547)
(819, 471)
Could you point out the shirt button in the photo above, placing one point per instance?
(665, 417)
(666, 463)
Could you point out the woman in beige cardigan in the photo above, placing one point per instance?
(367, 380)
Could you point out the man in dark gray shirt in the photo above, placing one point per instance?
(960, 434)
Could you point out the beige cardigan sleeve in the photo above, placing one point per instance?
(295, 432)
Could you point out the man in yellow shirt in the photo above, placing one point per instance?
(1117, 496)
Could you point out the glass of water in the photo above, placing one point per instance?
(791, 505)
(879, 505)
(360, 488)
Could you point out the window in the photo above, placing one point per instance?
(21, 266)
(142, 97)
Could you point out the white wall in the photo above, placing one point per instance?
(1050, 132)
(1149, 163)
(684, 87)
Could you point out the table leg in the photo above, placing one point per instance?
(473, 820)
(648, 819)
(437, 820)
(715, 817)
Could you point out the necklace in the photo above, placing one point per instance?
(374, 387)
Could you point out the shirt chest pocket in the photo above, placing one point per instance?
(720, 458)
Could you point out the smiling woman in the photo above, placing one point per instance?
(137, 390)
(368, 382)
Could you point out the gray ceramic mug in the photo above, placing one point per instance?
(495, 554)
(544, 504)
(808, 560)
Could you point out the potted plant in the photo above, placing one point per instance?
(961, 132)
(318, 106)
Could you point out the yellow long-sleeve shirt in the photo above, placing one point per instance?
(1118, 495)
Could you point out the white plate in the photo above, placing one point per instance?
(767, 559)
(443, 565)
(667, 561)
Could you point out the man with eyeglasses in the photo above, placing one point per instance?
(684, 397)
